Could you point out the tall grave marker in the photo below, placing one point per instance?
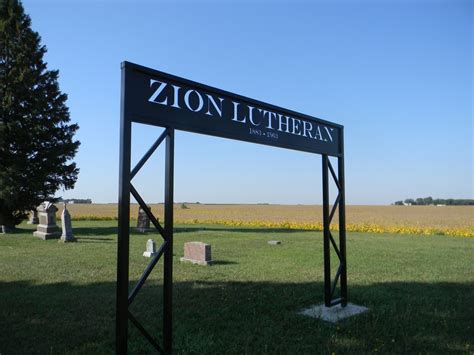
(66, 226)
(47, 227)
(143, 221)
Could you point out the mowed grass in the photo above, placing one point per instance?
(60, 298)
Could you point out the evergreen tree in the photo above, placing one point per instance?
(36, 139)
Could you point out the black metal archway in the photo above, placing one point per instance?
(160, 99)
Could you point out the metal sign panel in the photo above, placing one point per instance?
(156, 98)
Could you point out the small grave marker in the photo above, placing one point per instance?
(197, 253)
(150, 249)
(274, 242)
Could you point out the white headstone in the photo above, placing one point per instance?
(150, 249)
(67, 235)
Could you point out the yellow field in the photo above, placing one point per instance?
(448, 220)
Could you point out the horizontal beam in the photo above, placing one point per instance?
(155, 100)
(335, 302)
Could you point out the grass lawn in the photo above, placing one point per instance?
(60, 298)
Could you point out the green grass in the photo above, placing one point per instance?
(60, 298)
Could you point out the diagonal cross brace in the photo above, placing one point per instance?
(145, 208)
(334, 245)
(336, 279)
(334, 207)
(147, 272)
(148, 154)
(147, 335)
(333, 173)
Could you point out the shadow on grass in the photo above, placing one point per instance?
(19, 230)
(223, 262)
(238, 317)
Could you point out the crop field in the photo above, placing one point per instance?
(427, 220)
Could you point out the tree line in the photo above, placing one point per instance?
(425, 201)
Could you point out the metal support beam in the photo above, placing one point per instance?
(168, 258)
(126, 188)
(341, 274)
(342, 223)
(326, 231)
(121, 327)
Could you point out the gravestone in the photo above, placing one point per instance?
(274, 242)
(33, 217)
(66, 226)
(197, 253)
(47, 228)
(150, 249)
(143, 222)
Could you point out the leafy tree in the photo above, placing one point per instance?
(36, 139)
(419, 201)
(428, 201)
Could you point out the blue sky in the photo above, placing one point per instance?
(397, 74)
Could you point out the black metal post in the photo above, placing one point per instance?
(342, 223)
(168, 258)
(326, 222)
(121, 330)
